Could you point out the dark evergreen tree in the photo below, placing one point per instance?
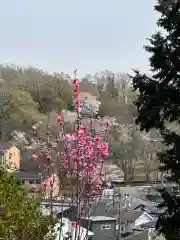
(158, 104)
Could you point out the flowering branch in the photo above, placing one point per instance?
(81, 153)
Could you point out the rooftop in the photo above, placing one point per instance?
(130, 216)
(139, 236)
(46, 210)
(149, 224)
(4, 147)
(100, 218)
(134, 203)
(23, 175)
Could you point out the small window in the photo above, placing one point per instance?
(10, 155)
(122, 228)
(105, 227)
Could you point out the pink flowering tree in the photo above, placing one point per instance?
(80, 154)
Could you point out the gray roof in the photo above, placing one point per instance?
(113, 212)
(130, 216)
(149, 224)
(59, 203)
(100, 218)
(139, 236)
(151, 207)
(138, 228)
(55, 209)
(22, 175)
(104, 207)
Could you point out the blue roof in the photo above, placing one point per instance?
(4, 148)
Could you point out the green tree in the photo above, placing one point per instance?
(87, 85)
(108, 107)
(22, 107)
(158, 103)
(32, 94)
(20, 217)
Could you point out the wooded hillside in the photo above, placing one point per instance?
(30, 95)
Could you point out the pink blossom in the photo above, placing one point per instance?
(104, 149)
(68, 146)
(52, 164)
(59, 118)
(82, 149)
(73, 223)
(46, 183)
(75, 80)
(97, 139)
(76, 91)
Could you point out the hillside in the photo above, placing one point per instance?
(30, 96)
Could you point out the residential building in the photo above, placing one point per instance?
(148, 234)
(65, 229)
(127, 221)
(89, 104)
(151, 209)
(34, 180)
(68, 116)
(102, 227)
(99, 125)
(134, 203)
(58, 210)
(148, 225)
(10, 157)
(130, 221)
(112, 172)
(106, 205)
(30, 178)
(129, 212)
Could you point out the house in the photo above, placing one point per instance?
(58, 210)
(65, 229)
(102, 227)
(148, 225)
(112, 172)
(133, 203)
(99, 125)
(148, 234)
(34, 181)
(143, 218)
(145, 208)
(10, 157)
(89, 103)
(106, 205)
(31, 178)
(130, 221)
(152, 209)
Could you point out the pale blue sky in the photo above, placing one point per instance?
(60, 35)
